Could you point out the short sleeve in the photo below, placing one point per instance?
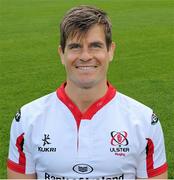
(152, 161)
(19, 157)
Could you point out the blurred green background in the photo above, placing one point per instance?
(143, 67)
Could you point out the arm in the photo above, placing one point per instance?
(14, 175)
(161, 176)
(20, 163)
(152, 161)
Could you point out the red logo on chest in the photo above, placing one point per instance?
(120, 141)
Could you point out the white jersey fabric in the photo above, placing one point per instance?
(116, 138)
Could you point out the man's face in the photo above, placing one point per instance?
(86, 59)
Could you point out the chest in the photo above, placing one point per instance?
(104, 145)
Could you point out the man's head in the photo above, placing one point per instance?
(86, 47)
(79, 20)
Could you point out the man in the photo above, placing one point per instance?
(86, 129)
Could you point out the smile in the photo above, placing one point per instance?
(86, 67)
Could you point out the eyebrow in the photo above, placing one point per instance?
(98, 43)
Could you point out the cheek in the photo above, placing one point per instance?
(102, 57)
(71, 57)
(67, 61)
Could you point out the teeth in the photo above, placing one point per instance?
(86, 67)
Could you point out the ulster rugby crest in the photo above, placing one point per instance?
(119, 142)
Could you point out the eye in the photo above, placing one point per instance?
(96, 45)
(74, 46)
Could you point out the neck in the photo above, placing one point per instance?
(83, 98)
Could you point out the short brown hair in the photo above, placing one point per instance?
(78, 20)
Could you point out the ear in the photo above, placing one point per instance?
(111, 51)
(61, 54)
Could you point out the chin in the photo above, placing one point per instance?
(86, 84)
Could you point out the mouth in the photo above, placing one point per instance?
(85, 68)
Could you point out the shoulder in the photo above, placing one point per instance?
(129, 107)
(34, 110)
(39, 103)
(131, 104)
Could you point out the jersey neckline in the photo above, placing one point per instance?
(90, 112)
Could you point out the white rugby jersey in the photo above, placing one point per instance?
(116, 138)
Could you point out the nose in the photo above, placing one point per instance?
(85, 54)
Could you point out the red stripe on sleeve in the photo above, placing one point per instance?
(158, 171)
(149, 157)
(19, 145)
(21, 165)
(15, 167)
(151, 171)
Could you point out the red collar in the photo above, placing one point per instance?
(90, 112)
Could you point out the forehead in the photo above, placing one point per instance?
(95, 33)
